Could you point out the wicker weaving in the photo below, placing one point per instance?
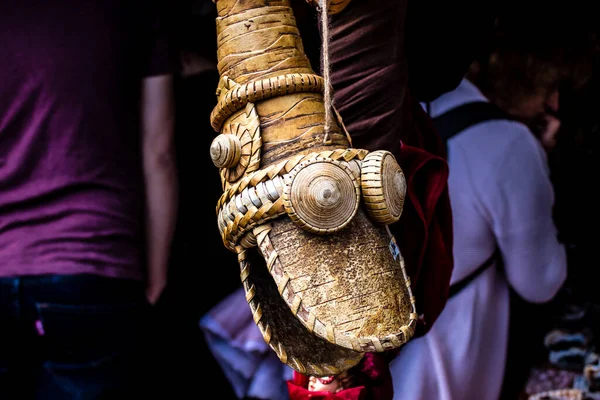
(305, 212)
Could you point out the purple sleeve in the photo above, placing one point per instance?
(159, 57)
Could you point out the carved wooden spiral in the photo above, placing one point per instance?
(321, 196)
(383, 187)
(225, 151)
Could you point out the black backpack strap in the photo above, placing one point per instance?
(459, 118)
(460, 285)
(449, 124)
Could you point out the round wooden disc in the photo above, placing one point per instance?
(383, 187)
(225, 151)
(321, 196)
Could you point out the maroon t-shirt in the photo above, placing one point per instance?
(71, 183)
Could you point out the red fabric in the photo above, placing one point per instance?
(424, 232)
(300, 393)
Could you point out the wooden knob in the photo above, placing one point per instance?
(225, 151)
(383, 187)
(321, 196)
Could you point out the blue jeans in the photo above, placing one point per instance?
(72, 337)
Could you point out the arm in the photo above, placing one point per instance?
(534, 259)
(160, 174)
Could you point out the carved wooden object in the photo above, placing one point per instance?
(327, 283)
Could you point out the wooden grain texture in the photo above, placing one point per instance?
(295, 345)
(259, 39)
(349, 281)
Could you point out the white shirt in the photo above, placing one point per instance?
(500, 194)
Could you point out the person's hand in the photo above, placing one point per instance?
(154, 290)
(551, 120)
(545, 128)
(548, 135)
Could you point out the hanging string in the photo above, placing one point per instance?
(326, 69)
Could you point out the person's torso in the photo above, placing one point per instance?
(70, 170)
(462, 356)
(466, 346)
(475, 157)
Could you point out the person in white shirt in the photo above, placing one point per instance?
(501, 198)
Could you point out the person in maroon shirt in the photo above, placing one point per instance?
(88, 193)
